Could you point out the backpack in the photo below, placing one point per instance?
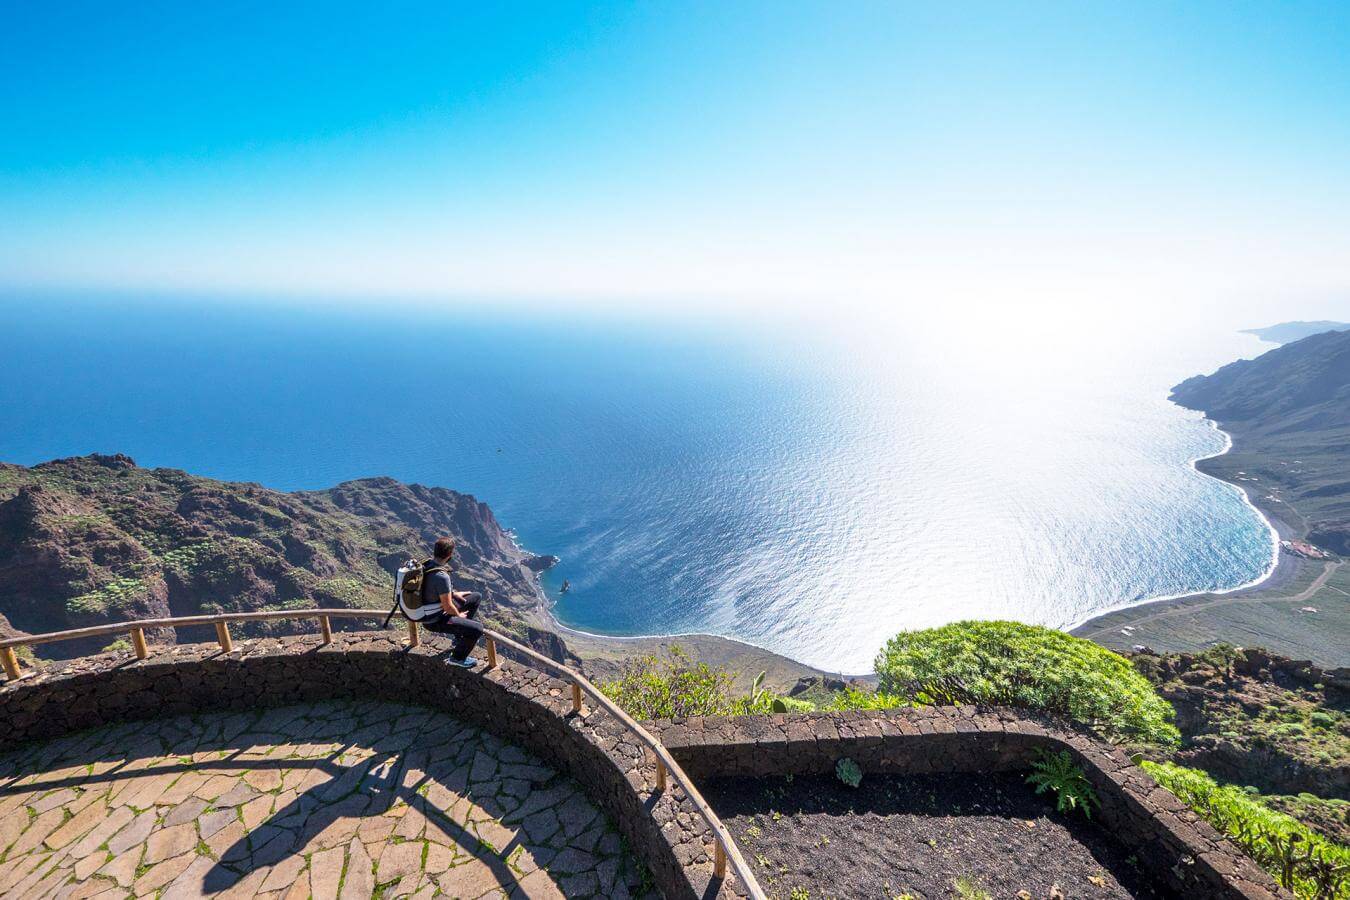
(408, 583)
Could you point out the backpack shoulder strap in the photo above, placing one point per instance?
(426, 581)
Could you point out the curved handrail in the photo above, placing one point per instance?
(725, 847)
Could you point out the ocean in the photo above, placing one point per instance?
(809, 489)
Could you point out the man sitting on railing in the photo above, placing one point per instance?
(458, 608)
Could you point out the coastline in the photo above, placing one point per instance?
(1274, 610)
(604, 653)
(1276, 529)
(1299, 609)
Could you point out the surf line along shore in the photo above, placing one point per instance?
(1299, 609)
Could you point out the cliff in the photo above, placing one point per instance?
(97, 538)
(1288, 412)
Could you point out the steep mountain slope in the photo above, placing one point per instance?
(1288, 412)
(96, 539)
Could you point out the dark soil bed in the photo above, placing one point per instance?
(919, 836)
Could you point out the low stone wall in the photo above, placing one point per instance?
(517, 703)
(1188, 854)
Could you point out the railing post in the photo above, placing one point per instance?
(719, 858)
(414, 639)
(576, 697)
(223, 636)
(492, 653)
(138, 643)
(327, 628)
(11, 663)
(661, 776)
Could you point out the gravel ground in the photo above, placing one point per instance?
(921, 836)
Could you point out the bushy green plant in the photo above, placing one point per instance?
(790, 704)
(1012, 664)
(663, 687)
(853, 698)
(1300, 859)
(1059, 773)
(849, 772)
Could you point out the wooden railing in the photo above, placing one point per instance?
(725, 850)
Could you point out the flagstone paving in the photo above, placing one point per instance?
(332, 801)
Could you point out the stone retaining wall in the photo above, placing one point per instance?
(1188, 854)
(517, 703)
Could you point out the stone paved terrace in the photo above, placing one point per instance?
(339, 799)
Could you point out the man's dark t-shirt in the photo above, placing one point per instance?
(435, 582)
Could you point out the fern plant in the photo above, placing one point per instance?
(1057, 772)
(849, 772)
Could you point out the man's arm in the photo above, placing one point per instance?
(445, 596)
(448, 605)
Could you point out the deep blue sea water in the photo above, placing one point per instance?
(805, 490)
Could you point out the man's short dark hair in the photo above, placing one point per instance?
(444, 547)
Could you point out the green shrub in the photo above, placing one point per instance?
(1059, 773)
(1011, 664)
(790, 704)
(662, 687)
(849, 772)
(1299, 858)
(655, 687)
(852, 698)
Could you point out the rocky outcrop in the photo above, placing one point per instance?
(1252, 718)
(97, 538)
(541, 563)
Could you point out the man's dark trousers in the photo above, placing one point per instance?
(463, 629)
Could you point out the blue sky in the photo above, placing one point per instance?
(680, 153)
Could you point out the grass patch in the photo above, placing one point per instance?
(968, 888)
(113, 595)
